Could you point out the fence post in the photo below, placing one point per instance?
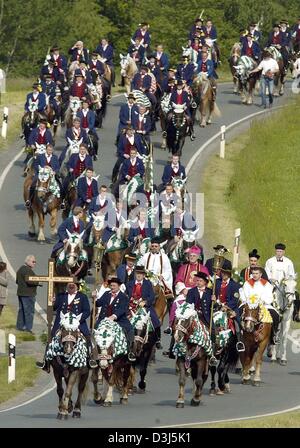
(11, 358)
(4, 123)
(2, 342)
(236, 248)
(222, 142)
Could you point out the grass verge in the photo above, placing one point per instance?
(26, 373)
(8, 324)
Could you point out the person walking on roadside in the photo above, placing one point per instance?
(269, 67)
(3, 285)
(26, 293)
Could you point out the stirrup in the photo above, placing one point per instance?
(93, 364)
(213, 362)
(27, 204)
(131, 357)
(240, 346)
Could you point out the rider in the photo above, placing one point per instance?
(87, 188)
(79, 87)
(209, 264)
(185, 71)
(279, 266)
(130, 168)
(210, 32)
(141, 123)
(162, 59)
(168, 83)
(262, 290)
(187, 271)
(172, 169)
(114, 306)
(95, 65)
(49, 88)
(37, 97)
(87, 123)
(180, 96)
(60, 64)
(75, 134)
(126, 112)
(201, 296)
(77, 303)
(40, 135)
(256, 35)
(206, 67)
(136, 51)
(280, 40)
(196, 28)
(73, 224)
(251, 48)
(106, 51)
(78, 52)
(140, 228)
(296, 35)
(227, 293)
(140, 292)
(246, 273)
(125, 271)
(143, 34)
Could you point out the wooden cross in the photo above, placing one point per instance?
(51, 279)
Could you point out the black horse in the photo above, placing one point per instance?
(176, 129)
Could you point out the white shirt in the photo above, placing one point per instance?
(133, 161)
(278, 270)
(71, 297)
(268, 64)
(89, 181)
(82, 157)
(141, 224)
(175, 168)
(113, 298)
(35, 95)
(49, 158)
(152, 262)
(131, 139)
(76, 221)
(263, 291)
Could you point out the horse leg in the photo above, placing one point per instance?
(285, 326)
(212, 391)
(82, 384)
(97, 396)
(68, 393)
(198, 380)
(203, 116)
(53, 221)
(41, 218)
(261, 348)
(109, 395)
(180, 399)
(31, 230)
(126, 381)
(59, 391)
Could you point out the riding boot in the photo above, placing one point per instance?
(170, 353)
(45, 364)
(192, 132)
(158, 336)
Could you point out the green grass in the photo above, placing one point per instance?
(26, 373)
(8, 324)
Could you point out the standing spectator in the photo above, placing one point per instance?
(26, 294)
(3, 285)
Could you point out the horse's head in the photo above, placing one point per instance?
(178, 117)
(124, 62)
(40, 149)
(235, 53)
(75, 104)
(140, 322)
(184, 322)
(250, 317)
(74, 145)
(179, 185)
(73, 248)
(286, 292)
(98, 222)
(43, 182)
(105, 338)
(189, 236)
(69, 325)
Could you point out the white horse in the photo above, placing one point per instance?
(128, 70)
(284, 299)
(73, 148)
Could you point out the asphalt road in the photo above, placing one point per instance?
(279, 389)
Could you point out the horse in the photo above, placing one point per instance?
(30, 120)
(71, 112)
(246, 82)
(116, 248)
(279, 78)
(73, 148)
(72, 259)
(179, 185)
(235, 55)
(284, 299)
(144, 341)
(46, 199)
(296, 310)
(176, 129)
(94, 242)
(113, 362)
(164, 109)
(203, 96)
(190, 354)
(128, 70)
(98, 92)
(255, 336)
(226, 352)
(68, 354)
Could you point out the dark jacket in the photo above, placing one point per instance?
(149, 297)
(203, 305)
(79, 305)
(232, 293)
(26, 288)
(119, 308)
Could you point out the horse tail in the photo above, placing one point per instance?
(233, 355)
(217, 111)
(117, 377)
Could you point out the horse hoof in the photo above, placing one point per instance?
(179, 405)
(246, 382)
(273, 361)
(107, 404)
(212, 392)
(219, 392)
(141, 390)
(252, 370)
(76, 414)
(70, 408)
(31, 234)
(59, 416)
(195, 403)
(283, 362)
(256, 383)
(123, 400)
(227, 389)
(99, 402)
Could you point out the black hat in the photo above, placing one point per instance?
(280, 246)
(55, 47)
(198, 19)
(179, 82)
(35, 85)
(254, 254)
(284, 21)
(155, 240)
(115, 280)
(131, 95)
(85, 100)
(252, 24)
(220, 247)
(130, 256)
(227, 266)
(276, 25)
(140, 269)
(202, 275)
(94, 53)
(43, 120)
(144, 24)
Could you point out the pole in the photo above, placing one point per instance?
(2, 342)
(11, 357)
(4, 123)
(236, 248)
(222, 142)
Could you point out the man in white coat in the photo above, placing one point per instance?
(279, 266)
(263, 290)
(157, 262)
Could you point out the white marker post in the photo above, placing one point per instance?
(4, 123)
(236, 248)
(11, 358)
(222, 142)
(2, 342)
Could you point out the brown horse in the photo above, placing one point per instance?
(45, 200)
(68, 339)
(195, 357)
(50, 116)
(203, 96)
(113, 258)
(128, 70)
(256, 336)
(233, 61)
